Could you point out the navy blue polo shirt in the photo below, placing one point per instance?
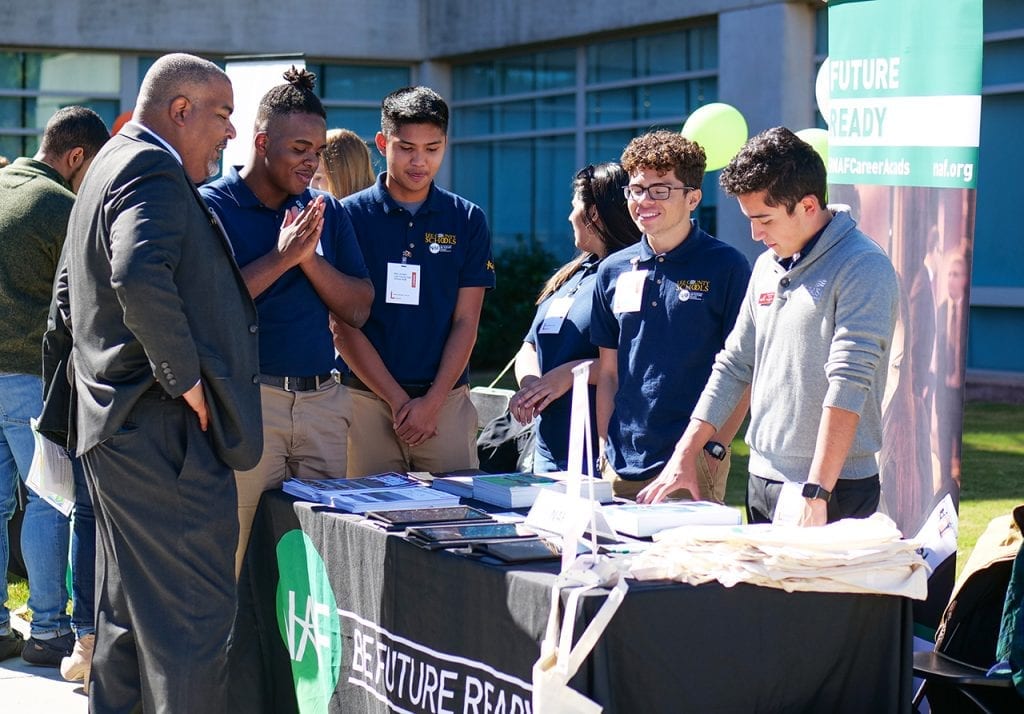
(295, 334)
(449, 239)
(691, 297)
(571, 343)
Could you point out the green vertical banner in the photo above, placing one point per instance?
(903, 107)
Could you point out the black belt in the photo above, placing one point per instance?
(413, 390)
(297, 384)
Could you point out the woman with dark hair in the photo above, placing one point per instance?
(559, 338)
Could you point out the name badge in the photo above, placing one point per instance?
(629, 291)
(403, 287)
(556, 314)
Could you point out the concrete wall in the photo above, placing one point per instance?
(460, 27)
(347, 29)
(395, 30)
(764, 71)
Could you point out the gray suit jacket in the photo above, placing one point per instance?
(155, 294)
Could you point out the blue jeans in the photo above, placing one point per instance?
(83, 557)
(45, 532)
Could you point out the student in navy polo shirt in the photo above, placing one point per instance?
(301, 263)
(662, 310)
(559, 338)
(429, 256)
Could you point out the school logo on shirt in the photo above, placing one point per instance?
(439, 242)
(765, 299)
(693, 289)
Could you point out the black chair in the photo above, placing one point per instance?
(954, 673)
(954, 686)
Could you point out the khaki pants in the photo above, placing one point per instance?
(305, 434)
(374, 447)
(712, 473)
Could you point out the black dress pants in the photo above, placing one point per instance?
(851, 498)
(166, 529)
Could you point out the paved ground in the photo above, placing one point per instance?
(26, 688)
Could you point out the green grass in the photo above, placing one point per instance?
(993, 476)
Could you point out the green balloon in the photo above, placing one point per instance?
(721, 131)
(817, 138)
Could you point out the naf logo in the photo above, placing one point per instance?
(440, 242)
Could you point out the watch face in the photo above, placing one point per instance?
(715, 449)
(813, 490)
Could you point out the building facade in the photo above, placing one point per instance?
(537, 90)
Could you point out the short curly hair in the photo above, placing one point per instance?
(781, 164)
(666, 151)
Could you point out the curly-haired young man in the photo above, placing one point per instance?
(666, 304)
(811, 343)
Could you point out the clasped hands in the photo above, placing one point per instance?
(416, 420)
(536, 393)
(300, 232)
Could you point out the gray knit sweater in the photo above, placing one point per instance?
(815, 336)
(35, 203)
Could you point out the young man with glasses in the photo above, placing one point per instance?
(667, 304)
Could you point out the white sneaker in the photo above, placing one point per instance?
(76, 667)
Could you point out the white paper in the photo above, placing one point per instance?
(50, 475)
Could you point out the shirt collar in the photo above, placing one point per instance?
(695, 236)
(381, 195)
(791, 262)
(245, 198)
(159, 138)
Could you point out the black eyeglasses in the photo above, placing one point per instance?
(657, 192)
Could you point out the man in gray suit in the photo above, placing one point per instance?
(167, 399)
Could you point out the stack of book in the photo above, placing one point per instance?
(647, 519)
(389, 491)
(520, 490)
(461, 486)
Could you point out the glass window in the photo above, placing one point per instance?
(632, 85)
(363, 121)
(528, 115)
(33, 85)
(354, 82)
(517, 74)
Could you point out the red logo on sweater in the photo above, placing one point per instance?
(766, 298)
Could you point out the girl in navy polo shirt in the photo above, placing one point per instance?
(559, 338)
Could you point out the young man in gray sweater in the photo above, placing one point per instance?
(811, 341)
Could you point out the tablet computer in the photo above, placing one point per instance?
(527, 550)
(421, 516)
(465, 534)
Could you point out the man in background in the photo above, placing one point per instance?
(36, 197)
(429, 256)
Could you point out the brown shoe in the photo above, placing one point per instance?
(75, 667)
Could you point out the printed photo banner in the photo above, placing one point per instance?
(901, 93)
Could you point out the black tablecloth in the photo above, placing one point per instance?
(424, 631)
